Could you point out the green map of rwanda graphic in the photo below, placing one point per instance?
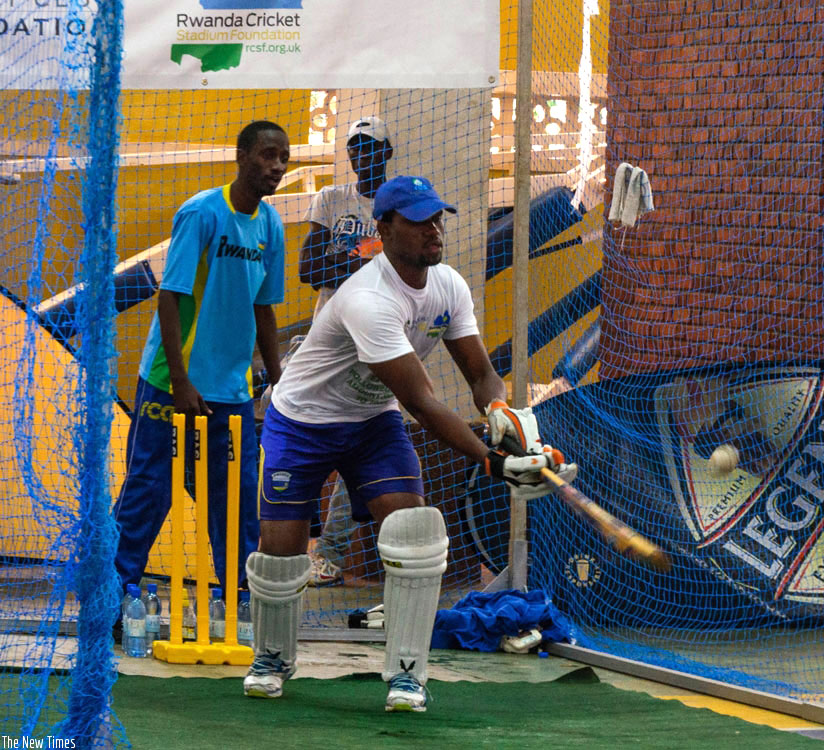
(212, 56)
(215, 57)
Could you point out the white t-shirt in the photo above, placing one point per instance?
(348, 216)
(374, 317)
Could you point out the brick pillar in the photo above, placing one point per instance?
(721, 104)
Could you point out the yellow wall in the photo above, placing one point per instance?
(148, 196)
(210, 117)
(556, 35)
(551, 277)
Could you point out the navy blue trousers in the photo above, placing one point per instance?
(146, 495)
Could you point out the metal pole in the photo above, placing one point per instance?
(520, 269)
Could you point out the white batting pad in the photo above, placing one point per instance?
(413, 544)
(276, 586)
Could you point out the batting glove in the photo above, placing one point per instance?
(556, 460)
(567, 472)
(516, 470)
(520, 424)
(522, 473)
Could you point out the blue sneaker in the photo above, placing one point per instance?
(266, 676)
(405, 694)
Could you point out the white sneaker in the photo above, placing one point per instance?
(266, 676)
(405, 694)
(324, 572)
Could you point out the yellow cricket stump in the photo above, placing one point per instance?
(212, 653)
(175, 650)
(232, 531)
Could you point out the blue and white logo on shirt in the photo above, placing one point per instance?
(439, 326)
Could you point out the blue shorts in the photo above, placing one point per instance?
(374, 457)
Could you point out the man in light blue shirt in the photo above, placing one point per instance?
(223, 273)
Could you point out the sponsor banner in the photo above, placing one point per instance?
(297, 44)
(747, 546)
(760, 523)
(293, 44)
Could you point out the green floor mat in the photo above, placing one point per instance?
(347, 712)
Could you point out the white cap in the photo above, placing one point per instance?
(370, 126)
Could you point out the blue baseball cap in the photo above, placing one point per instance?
(412, 197)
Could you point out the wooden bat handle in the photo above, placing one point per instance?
(624, 539)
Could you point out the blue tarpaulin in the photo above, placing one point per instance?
(481, 619)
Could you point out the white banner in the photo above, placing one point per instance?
(293, 44)
(44, 44)
(300, 44)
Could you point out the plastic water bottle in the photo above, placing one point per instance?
(245, 635)
(153, 610)
(189, 618)
(134, 623)
(217, 616)
(127, 597)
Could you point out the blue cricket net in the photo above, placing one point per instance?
(674, 306)
(60, 82)
(686, 338)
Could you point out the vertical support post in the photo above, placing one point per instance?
(520, 269)
(232, 528)
(178, 478)
(201, 451)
